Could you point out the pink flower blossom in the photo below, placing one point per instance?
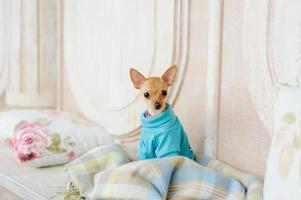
(29, 140)
(27, 157)
(71, 155)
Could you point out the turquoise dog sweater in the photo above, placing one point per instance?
(163, 136)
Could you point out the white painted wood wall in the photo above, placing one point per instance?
(232, 56)
(32, 41)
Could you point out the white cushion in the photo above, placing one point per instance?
(56, 137)
(283, 172)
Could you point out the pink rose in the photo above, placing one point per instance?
(29, 139)
(23, 157)
(71, 155)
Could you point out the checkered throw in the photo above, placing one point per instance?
(107, 173)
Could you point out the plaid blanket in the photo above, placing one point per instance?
(107, 173)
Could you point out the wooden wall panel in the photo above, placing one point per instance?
(225, 90)
(190, 105)
(192, 86)
(3, 48)
(33, 55)
(150, 36)
(213, 76)
(50, 46)
(236, 133)
(243, 140)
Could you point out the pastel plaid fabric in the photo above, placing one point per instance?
(252, 184)
(107, 173)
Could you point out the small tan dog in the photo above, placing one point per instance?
(162, 134)
(154, 89)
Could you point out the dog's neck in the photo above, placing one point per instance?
(152, 112)
(148, 115)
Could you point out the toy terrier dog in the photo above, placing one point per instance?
(162, 134)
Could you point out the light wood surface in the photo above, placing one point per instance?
(3, 47)
(260, 53)
(7, 195)
(215, 26)
(26, 182)
(32, 52)
(243, 140)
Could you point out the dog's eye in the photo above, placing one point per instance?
(164, 93)
(146, 95)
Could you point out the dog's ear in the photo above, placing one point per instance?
(137, 78)
(170, 75)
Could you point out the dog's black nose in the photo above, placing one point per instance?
(157, 106)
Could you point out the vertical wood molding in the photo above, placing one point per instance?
(181, 44)
(213, 77)
(256, 44)
(60, 67)
(34, 53)
(3, 48)
(14, 45)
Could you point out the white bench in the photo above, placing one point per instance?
(29, 183)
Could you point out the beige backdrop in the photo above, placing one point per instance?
(66, 54)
